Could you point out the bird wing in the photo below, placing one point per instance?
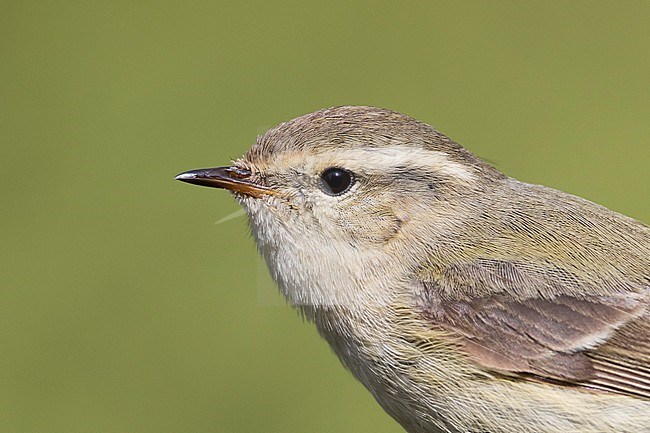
(597, 341)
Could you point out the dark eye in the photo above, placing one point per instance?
(336, 180)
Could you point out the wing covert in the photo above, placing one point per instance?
(524, 326)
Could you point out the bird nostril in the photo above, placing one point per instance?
(238, 173)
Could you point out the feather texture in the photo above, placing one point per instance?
(591, 341)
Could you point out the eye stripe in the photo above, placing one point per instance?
(396, 158)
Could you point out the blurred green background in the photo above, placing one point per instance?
(125, 308)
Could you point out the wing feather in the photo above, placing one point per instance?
(600, 342)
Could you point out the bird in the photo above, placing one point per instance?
(463, 299)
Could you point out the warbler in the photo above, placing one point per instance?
(463, 299)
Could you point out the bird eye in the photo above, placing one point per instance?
(336, 181)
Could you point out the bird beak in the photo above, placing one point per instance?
(230, 178)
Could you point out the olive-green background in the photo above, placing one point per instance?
(123, 306)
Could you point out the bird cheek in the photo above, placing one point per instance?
(375, 228)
